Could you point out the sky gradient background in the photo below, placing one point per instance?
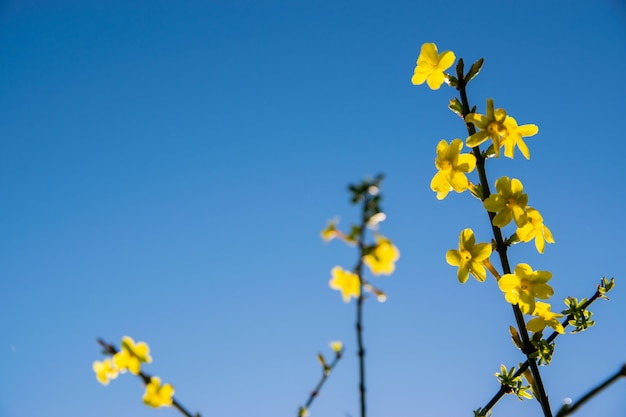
(166, 167)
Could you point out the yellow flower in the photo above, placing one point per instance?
(509, 203)
(330, 232)
(381, 260)
(336, 346)
(492, 125)
(345, 281)
(132, 355)
(544, 317)
(158, 395)
(452, 168)
(524, 285)
(534, 228)
(469, 257)
(431, 65)
(105, 371)
(514, 135)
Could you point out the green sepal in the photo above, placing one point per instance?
(474, 70)
(452, 80)
(459, 69)
(456, 106)
(477, 191)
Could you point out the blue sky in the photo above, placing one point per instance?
(166, 168)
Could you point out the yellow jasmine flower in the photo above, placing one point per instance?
(345, 281)
(431, 65)
(105, 371)
(469, 257)
(330, 232)
(509, 203)
(492, 125)
(158, 395)
(544, 317)
(381, 260)
(534, 228)
(452, 168)
(514, 135)
(336, 346)
(524, 285)
(132, 355)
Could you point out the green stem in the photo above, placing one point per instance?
(112, 350)
(501, 247)
(358, 270)
(569, 409)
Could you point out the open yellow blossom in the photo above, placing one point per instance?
(105, 371)
(491, 125)
(513, 137)
(509, 203)
(345, 281)
(524, 285)
(452, 168)
(469, 257)
(132, 355)
(534, 228)
(544, 317)
(381, 260)
(158, 395)
(431, 65)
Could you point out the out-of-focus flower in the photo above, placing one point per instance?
(469, 257)
(452, 168)
(131, 356)
(336, 346)
(382, 258)
(158, 395)
(431, 66)
(346, 282)
(105, 371)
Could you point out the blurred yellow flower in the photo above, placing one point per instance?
(105, 371)
(330, 232)
(509, 203)
(158, 395)
(131, 356)
(336, 346)
(431, 65)
(451, 168)
(469, 257)
(524, 285)
(345, 281)
(544, 317)
(534, 228)
(381, 260)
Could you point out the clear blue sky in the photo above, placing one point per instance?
(166, 167)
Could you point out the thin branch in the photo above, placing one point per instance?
(328, 369)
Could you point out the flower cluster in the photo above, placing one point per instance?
(130, 358)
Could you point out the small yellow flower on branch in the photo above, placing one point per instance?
(514, 135)
(431, 66)
(544, 317)
(452, 167)
(535, 229)
(330, 232)
(524, 285)
(158, 395)
(345, 281)
(509, 203)
(469, 257)
(381, 260)
(105, 371)
(336, 346)
(490, 125)
(131, 356)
